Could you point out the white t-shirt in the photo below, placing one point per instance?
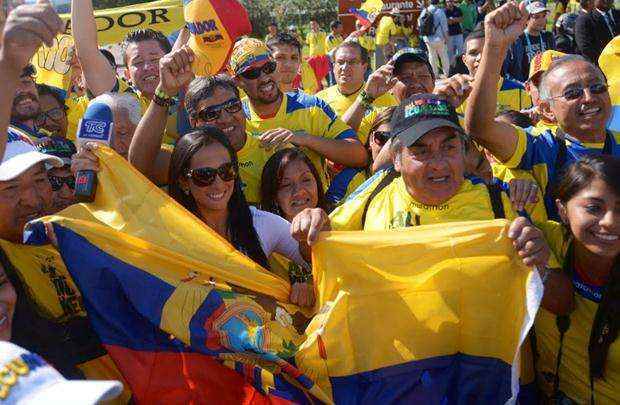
(274, 233)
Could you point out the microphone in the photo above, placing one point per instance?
(96, 126)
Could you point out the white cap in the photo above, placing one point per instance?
(535, 7)
(21, 154)
(36, 382)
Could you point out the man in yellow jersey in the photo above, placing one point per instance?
(540, 64)
(385, 30)
(315, 40)
(334, 38)
(511, 95)
(350, 65)
(573, 93)
(142, 50)
(277, 119)
(209, 101)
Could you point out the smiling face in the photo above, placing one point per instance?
(433, 167)
(26, 101)
(593, 216)
(232, 124)
(263, 90)
(215, 196)
(297, 189)
(143, 65)
(586, 117)
(8, 297)
(23, 199)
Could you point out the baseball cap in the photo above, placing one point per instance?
(541, 62)
(420, 114)
(36, 382)
(59, 147)
(21, 154)
(247, 53)
(410, 55)
(535, 7)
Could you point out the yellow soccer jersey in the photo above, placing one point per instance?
(309, 83)
(301, 112)
(316, 43)
(573, 371)
(332, 41)
(76, 107)
(394, 208)
(504, 174)
(511, 95)
(252, 159)
(385, 30)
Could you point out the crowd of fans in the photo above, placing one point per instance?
(268, 154)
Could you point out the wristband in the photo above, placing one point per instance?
(366, 99)
(162, 99)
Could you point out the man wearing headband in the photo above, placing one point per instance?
(277, 119)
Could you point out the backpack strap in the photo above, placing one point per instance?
(385, 181)
(495, 194)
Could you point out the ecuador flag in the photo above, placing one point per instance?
(367, 13)
(186, 318)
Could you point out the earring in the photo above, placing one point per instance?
(186, 191)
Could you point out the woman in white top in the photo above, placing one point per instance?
(204, 178)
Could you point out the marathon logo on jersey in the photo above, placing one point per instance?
(95, 131)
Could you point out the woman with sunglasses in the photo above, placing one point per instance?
(579, 353)
(204, 178)
(289, 184)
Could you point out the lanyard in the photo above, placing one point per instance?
(529, 45)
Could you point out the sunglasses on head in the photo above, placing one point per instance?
(213, 113)
(381, 137)
(253, 74)
(578, 92)
(57, 182)
(205, 176)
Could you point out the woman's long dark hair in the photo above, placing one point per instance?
(272, 176)
(239, 223)
(606, 323)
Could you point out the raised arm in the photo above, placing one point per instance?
(100, 76)
(502, 26)
(145, 152)
(26, 27)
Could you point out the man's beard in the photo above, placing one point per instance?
(18, 114)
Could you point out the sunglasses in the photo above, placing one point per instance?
(213, 113)
(253, 74)
(57, 182)
(381, 137)
(55, 114)
(578, 92)
(205, 176)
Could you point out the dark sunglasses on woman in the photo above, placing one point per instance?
(213, 113)
(205, 176)
(57, 182)
(253, 74)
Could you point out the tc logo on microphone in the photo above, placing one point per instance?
(95, 130)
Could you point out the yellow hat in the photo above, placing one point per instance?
(542, 61)
(246, 53)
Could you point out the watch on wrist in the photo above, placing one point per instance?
(162, 99)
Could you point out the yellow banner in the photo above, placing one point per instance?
(53, 64)
(114, 23)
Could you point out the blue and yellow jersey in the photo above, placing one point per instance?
(316, 43)
(544, 126)
(541, 155)
(341, 103)
(511, 95)
(252, 159)
(309, 82)
(573, 371)
(172, 130)
(504, 175)
(332, 41)
(345, 183)
(301, 112)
